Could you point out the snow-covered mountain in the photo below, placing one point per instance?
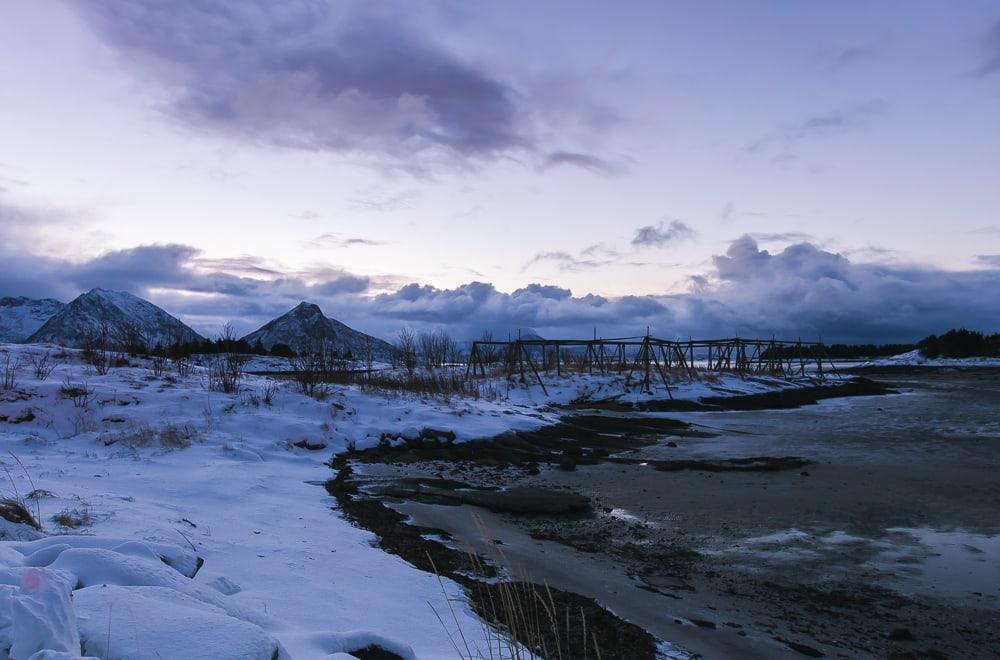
(117, 311)
(305, 328)
(20, 316)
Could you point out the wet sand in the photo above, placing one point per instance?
(885, 544)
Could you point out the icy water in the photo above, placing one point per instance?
(894, 525)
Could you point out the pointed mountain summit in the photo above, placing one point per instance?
(305, 328)
(20, 317)
(118, 312)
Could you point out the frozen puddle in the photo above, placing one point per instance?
(948, 564)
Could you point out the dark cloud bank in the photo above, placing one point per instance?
(357, 78)
(801, 291)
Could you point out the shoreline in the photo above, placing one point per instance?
(684, 577)
(422, 474)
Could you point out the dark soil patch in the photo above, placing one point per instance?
(585, 439)
(373, 652)
(749, 464)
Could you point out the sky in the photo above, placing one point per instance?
(813, 170)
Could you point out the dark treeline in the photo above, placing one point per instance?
(221, 345)
(837, 351)
(960, 343)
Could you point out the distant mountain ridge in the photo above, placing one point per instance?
(305, 328)
(117, 312)
(20, 317)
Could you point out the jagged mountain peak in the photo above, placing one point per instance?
(117, 313)
(305, 328)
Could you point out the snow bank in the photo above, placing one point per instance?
(122, 602)
(233, 527)
(127, 622)
(36, 612)
(916, 359)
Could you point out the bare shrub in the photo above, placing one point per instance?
(128, 338)
(79, 393)
(489, 354)
(42, 364)
(268, 391)
(9, 368)
(314, 370)
(158, 365)
(182, 365)
(368, 352)
(225, 371)
(406, 349)
(97, 349)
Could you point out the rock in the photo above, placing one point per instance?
(310, 444)
(671, 444)
(901, 635)
(567, 463)
(437, 435)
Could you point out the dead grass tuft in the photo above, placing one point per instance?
(73, 518)
(13, 510)
(171, 436)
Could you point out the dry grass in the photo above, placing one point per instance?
(73, 518)
(142, 436)
(521, 620)
(13, 509)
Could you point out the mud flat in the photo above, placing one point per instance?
(855, 527)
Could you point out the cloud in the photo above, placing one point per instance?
(662, 234)
(339, 241)
(727, 211)
(800, 291)
(310, 75)
(587, 162)
(380, 201)
(834, 59)
(363, 80)
(823, 125)
(781, 237)
(566, 261)
(991, 52)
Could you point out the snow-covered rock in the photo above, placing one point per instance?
(127, 622)
(116, 311)
(36, 612)
(305, 328)
(20, 317)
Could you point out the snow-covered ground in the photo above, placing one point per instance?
(915, 359)
(159, 468)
